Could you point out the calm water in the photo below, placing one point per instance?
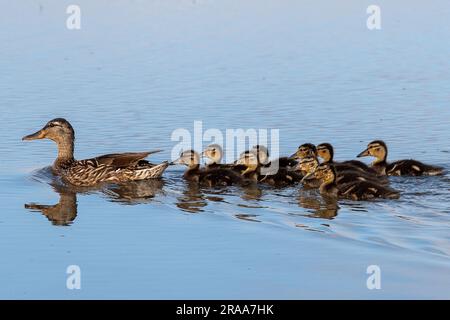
(137, 70)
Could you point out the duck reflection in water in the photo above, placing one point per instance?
(65, 211)
(325, 208)
(61, 214)
(192, 199)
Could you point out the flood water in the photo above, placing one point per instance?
(138, 70)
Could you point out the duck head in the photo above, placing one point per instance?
(325, 151)
(262, 154)
(58, 129)
(213, 152)
(304, 151)
(377, 149)
(249, 160)
(188, 158)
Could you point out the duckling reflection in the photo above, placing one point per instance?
(61, 214)
(192, 200)
(251, 192)
(325, 208)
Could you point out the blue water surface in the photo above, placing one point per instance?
(138, 70)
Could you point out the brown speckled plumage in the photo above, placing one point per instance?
(113, 168)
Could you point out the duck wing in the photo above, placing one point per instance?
(122, 160)
(412, 168)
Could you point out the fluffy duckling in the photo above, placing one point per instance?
(249, 161)
(270, 173)
(214, 154)
(356, 190)
(209, 177)
(379, 150)
(308, 166)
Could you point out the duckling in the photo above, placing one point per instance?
(308, 165)
(364, 172)
(306, 168)
(304, 150)
(272, 174)
(356, 190)
(379, 150)
(249, 161)
(215, 154)
(110, 168)
(209, 177)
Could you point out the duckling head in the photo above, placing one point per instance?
(249, 160)
(326, 173)
(304, 151)
(214, 153)
(377, 149)
(325, 151)
(58, 130)
(262, 153)
(188, 158)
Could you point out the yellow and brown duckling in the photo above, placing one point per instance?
(204, 176)
(273, 172)
(379, 150)
(355, 190)
(307, 167)
(214, 154)
(249, 161)
(110, 168)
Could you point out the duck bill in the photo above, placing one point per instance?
(35, 136)
(365, 153)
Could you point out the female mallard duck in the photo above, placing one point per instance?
(356, 190)
(111, 168)
(378, 149)
(303, 151)
(209, 177)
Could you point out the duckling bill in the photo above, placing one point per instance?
(111, 168)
